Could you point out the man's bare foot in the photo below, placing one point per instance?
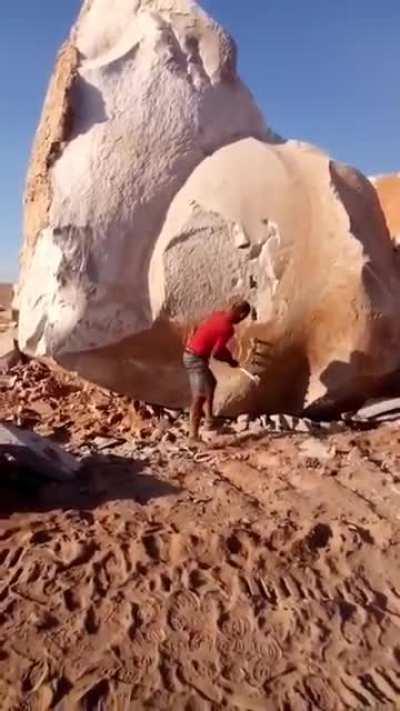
(196, 445)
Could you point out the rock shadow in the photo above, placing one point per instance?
(102, 478)
(277, 391)
(336, 378)
(162, 381)
(88, 107)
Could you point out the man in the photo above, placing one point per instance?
(209, 340)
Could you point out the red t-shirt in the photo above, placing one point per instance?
(212, 336)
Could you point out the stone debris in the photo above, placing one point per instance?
(242, 423)
(172, 414)
(379, 410)
(57, 403)
(26, 450)
(313, 448)
(285, 423)
(387, 417)
(100, 443)
(88, 419)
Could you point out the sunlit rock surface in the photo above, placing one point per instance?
(156, 193)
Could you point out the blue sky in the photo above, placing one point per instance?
(325, 71)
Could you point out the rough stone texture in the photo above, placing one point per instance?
(160, 194)
(388, 189)
(54, 130)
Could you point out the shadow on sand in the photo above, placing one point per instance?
(100, 479)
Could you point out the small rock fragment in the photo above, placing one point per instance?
(377, 408)
(101, 443)
(173, 414)
(242, 423)
(27, 450)
(313, 448)
(265, 421)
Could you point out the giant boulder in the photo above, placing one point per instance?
(156, 193)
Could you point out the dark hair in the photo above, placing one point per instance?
(240, 309)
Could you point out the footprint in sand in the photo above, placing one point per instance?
(184, 611)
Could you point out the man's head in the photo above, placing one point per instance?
(239, 310)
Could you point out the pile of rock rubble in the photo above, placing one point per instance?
(41, 400)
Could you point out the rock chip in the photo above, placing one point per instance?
(242, 423)
(379, 409)
(313, 448)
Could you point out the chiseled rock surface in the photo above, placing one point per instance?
(156, 193)
(304, 239)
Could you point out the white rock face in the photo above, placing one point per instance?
(154, 92)
(156, 193)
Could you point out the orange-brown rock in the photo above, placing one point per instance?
(388, 189)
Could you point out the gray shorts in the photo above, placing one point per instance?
(202, 381)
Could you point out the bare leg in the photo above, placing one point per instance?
(196, 411)
(209, 407)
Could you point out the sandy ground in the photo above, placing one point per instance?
(258, 573)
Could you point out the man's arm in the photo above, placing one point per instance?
(222, 353)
